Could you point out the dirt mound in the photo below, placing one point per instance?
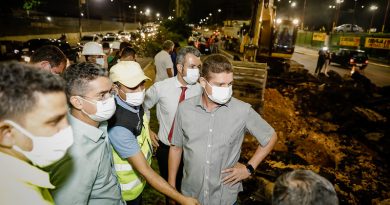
(308, 142)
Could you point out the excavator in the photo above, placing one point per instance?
(268, 39)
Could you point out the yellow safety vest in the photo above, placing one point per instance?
(131, 182)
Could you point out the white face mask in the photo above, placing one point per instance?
(46, 150)
(192, 76)
(105, 109)
(100, 61)
(135, 99)
(220, 95)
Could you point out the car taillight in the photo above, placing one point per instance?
(351, 60)
(366, 61)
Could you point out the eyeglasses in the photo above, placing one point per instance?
(101, 96)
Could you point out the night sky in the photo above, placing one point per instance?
(317, 13)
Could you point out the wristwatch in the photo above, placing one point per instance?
(250, 169)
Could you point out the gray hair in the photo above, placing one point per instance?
(168, 44)
(181, 55)
(303, 187)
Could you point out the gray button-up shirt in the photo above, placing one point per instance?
(211, 142)
(86, 174)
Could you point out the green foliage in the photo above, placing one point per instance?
(178, 26)
(30, 4)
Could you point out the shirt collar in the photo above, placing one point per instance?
(87, 130)
(25, 172)
(123, 104)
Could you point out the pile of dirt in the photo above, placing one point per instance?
(335, 126)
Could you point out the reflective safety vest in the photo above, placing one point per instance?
(132, 183)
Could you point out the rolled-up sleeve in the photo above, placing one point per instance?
(258, 127)
(151, 98)
(123, 141)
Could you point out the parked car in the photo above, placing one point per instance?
(348, 28)
(89, 38)
(124, 36)
(10, 50)
(350, 57)
(111, 34)
(110, 40)
(32, 45)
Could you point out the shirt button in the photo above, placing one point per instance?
(209, 145)
(211, 130)
(207, 177)
(212, 115)
(208, 162)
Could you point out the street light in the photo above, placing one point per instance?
(293, 4)
(384, 20)
(373, 8)
(219, 10)
(210, 14)
(338, 3)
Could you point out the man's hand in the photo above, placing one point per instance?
(154, 138)
(235, 174)
(190, 201)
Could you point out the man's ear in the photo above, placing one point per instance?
(180, 68)
(6, 137)
(202, 82)
(76, 102)
(45, 65)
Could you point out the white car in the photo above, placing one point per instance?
(89, 38)
(124, 36)
(348, 28)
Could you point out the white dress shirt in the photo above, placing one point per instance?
(166, 95)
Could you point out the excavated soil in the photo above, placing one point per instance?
(336, 126)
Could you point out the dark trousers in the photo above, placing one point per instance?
(136, 201)
(162, 154)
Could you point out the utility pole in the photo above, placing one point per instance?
(178, 12)
(384, 20)
(80, 16)
(303, 15)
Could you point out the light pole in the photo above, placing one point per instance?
(338, 2)
(135, 13)
(303, 15)
(373, 8)
(384, 20)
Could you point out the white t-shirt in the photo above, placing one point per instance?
(162, 61)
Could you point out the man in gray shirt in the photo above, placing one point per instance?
(86, 175)
(209, 131)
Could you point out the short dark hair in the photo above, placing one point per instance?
(124, 44)
(181, 55)
(128, 51)
(77, 76)
(49, 53)
(168, 44)
(303, 187)
(19, 84)
(216, 63)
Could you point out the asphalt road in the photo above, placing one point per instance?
(378, 73)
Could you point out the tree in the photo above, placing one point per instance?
(181, 7)
(29, 5)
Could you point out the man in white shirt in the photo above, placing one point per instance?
(167, 94)
(163, 62)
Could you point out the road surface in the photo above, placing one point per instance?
(379, 74)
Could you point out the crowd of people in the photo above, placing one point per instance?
(79, 134)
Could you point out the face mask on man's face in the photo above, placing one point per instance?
(192, 76)
(220, 95)
(134, 99)
(100, 61)
(46, 150)
(105, 109)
